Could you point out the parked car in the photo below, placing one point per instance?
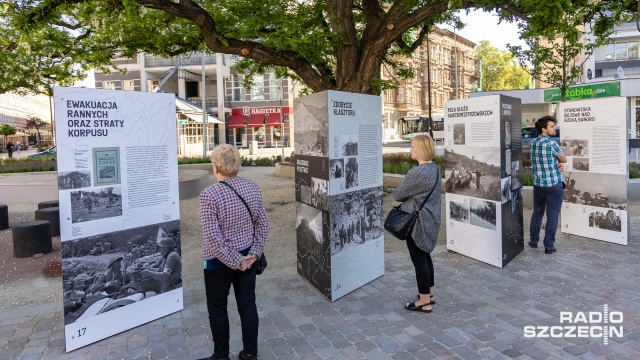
(529, 133)
(50, 152)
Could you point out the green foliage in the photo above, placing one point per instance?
(401, 163)
(7, 130)
(500, 70)
(634, 170)
(193, 160)
(527, 177)
(13, 165)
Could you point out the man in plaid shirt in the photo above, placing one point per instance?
(548, 190)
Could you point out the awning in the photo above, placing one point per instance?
(273, 120)
(256, 120)
(236, 122)
(198, 118)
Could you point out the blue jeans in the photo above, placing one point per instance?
(551, 199)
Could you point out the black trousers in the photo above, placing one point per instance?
(217, 285)
(423, 265)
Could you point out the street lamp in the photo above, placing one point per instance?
(280, 96)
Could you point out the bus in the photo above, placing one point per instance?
(410, 126)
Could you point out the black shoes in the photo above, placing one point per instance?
(549, 251)
(212, 358)
(243, 356)
(533, 245)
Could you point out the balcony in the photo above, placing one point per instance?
(211, 101)
(614, 72)
(630, 26)
(195, 59)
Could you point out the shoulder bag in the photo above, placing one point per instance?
(400, 223)
(261, 263)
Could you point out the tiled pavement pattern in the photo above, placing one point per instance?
(480, 313)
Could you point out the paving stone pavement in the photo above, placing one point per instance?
(480, 313)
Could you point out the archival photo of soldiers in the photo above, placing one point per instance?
(459, 212)
(356, 217)
(351, 172)
(516, 175)
(473, 171)
(105, 272)
(506, 189)
(74, 179)
(458, 134)
(349, 145)
(96, 203)
(507, 134)
(309, 233)
(483, 213)
(606, 220)
(320, 194)
(578, 147)
(580, 163)
(312, 127)
(600, 190)
(336, 169)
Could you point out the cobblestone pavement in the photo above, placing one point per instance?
(480, 313)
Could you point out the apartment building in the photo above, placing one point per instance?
(454, 74)
(15, 110)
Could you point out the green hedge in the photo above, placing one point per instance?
(401, 163)
(261, 161)
(13, 165)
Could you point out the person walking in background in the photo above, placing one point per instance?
(233, 238)
(18, 147)
(10, 148)
(547, 160)
(419, 182)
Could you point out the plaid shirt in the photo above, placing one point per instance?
(546, 172)
(227, 227)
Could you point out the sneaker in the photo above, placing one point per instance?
(549, 251)
(243, 356)
(533, 245)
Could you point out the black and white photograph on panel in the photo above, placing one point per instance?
(507, 134)
(356, 217)
(516, 200)
(336, 169)
(483, 213)
(305, 194)
(516, 175)
(459, 212)
(580, 163)
(309, 228)
(320, 194)
(104, 272)
(506, 166)
(592, 189)
(74, 179)
(309, 168)
(577, 147)
(311, 132)
(506, 189)
(459, 134)
(96, 203)
(606, 220)
(473, 171)
(349, 145)
(351, 172)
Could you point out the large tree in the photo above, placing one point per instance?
(500, 70)
(328, 44)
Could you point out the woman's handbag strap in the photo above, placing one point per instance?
(245, 205)
(430, 192)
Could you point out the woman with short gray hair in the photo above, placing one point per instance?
(234, 232)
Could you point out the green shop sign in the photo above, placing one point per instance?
(584, 92)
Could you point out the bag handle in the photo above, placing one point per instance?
(430, 192)
(245, 205)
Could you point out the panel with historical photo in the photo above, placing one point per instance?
(336, 169)
(74, 179)
(309, 229)
(320, 194)
(351, 172)
(473, 171)
(356, 217)
(311, 132)
(106, 166)
(592, 189)
(606, 220)
(580, 163)
(305, 194)
(459, 134)
(349, 145)
(96, 203)
(506, 189)
(105, 272)
(507, 163)
(459, 212)
(575, 147)
(483, 213)
(516, 175)
(507, 134)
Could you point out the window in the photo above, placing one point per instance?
(109, 85)
(632, 50)
(191, 88)
(128, 85)
(621, 51)
(257, 88)
(234, 89)
(609, 51)
(401, 95)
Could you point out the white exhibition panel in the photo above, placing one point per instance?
(593, 137)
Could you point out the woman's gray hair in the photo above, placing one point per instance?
(227, 159)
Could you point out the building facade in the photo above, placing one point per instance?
(454, 74)
(15, 110)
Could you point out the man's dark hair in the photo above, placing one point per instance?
(543, 122)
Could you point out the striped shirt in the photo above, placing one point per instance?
(546, 172)
(227, 227)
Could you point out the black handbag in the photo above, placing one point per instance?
(400, 223)
(261, 264)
